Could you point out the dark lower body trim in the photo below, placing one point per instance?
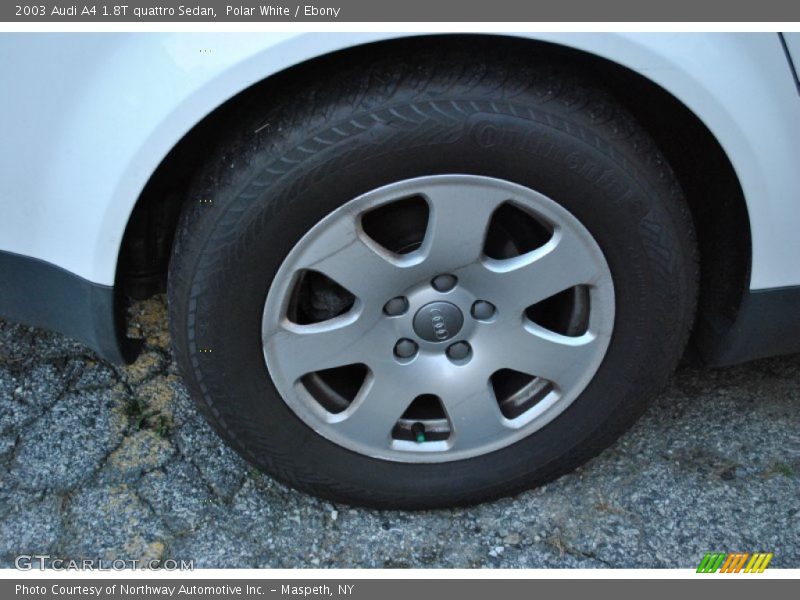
(38, 293)
(767, 324)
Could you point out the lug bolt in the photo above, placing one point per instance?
(483, 310)
(458, 351)
(396, 306)
(405, 348)
(444, 283)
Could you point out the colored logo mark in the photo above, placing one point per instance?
(734, 562)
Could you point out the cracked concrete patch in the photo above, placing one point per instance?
(221, 467)
(181, 496)
(101, 461)
(111, 522)
(214, 548)
(63, 447)
(35, 525)
(139, 453)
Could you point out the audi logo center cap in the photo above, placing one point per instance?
(438, 321)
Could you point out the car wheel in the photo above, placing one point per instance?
(431, 283)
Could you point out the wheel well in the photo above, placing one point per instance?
(708, 179)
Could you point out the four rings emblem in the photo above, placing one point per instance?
(438, 321)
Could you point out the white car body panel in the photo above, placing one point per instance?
(90, 117)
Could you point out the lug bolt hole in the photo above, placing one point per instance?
(405, 348)
(460, 352)
(444, 283)
(482, 310)
(396, 307)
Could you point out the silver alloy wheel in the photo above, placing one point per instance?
(438, 321)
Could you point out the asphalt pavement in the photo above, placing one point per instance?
(101, 461)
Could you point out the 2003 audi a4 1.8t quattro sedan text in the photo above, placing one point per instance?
(414, 270)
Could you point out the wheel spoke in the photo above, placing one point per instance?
(560, 359)
(475, 417)
(341, 252)
(303, 349)
(459, 219)
(562, 263)
(375, 411)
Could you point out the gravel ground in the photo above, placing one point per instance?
(108, 462)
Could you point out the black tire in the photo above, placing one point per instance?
(291, 159)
